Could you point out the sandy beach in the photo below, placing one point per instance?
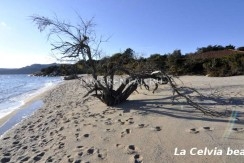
(147, 128)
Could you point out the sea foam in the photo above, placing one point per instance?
(15, 89)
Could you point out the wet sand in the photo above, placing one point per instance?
(20, 115)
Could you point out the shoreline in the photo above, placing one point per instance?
(20, 116)
(38, 95)
(148, 128)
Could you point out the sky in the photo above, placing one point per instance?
(146, 26)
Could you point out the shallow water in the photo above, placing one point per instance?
(14, 89)
(20, 115)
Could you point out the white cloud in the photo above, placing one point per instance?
(3, 24)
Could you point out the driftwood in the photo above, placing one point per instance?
(75, 41)
(71, 77)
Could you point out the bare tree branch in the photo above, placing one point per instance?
(78, 40)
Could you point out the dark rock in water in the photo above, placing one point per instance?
(70, 77)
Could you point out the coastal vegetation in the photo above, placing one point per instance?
(215, 61)
(79, 41)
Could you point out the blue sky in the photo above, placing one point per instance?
(155, 26)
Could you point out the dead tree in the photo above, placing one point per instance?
(76, 41)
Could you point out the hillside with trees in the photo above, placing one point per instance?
(216, 61)
(27, 69)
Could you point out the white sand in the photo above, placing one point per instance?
(148, 128)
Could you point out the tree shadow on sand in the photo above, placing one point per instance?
(181, 109)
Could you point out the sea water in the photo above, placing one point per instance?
(15, 89)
